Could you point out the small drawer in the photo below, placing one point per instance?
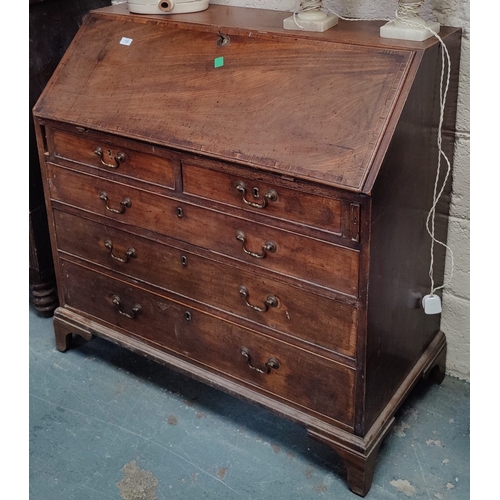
(238, 353)
(314, 261)
(103, 152)
(264, 197)
(301, 317)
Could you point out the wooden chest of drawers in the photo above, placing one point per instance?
(248, 206)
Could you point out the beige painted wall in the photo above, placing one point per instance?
(456, 297)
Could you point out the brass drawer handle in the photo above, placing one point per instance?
(124, 204)
(130, 254)
(271, 195)
(272, 363)
(269, 246)
(119, 158)
(136, 309)
(271, 300)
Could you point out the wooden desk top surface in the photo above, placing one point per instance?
(315, 106)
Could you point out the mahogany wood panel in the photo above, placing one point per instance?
(302, 316)
(214, 343)
(181, 100)
(309, 259)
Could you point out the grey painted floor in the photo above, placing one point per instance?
(109, 424)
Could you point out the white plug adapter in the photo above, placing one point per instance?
(431, 304)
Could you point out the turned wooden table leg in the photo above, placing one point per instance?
(44, 296)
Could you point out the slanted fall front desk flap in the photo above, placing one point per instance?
(313, 109)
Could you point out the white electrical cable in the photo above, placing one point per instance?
(441, 154)
(404, 14)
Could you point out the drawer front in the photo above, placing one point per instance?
(252, 359)
(305, 317)
(263, 197)
(318, 262)
(103, 153)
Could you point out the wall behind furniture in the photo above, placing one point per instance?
(456, 296)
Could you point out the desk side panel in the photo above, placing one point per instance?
(398, 329)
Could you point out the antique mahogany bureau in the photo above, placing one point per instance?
(247, 205)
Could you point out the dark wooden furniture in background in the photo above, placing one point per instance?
(53, 24)
(247, 205)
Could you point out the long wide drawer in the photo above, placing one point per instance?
(239, 353)
(316, 261)
(310, 318)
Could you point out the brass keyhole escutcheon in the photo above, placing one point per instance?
(223, 40)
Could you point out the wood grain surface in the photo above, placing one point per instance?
(306, 109)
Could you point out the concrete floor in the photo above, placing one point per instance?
(109, 424)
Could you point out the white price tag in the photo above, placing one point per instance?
(125, 41)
